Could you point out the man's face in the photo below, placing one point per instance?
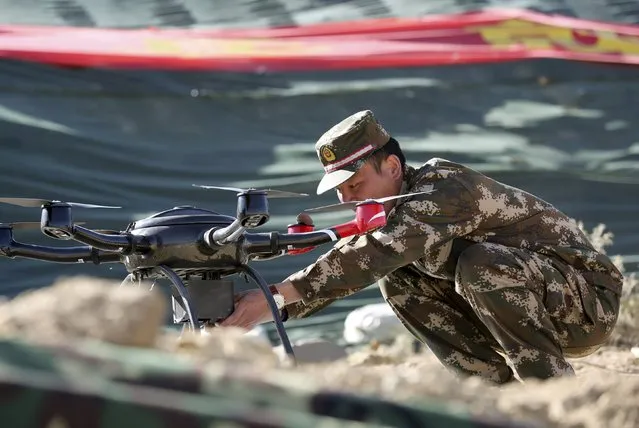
(368, 183)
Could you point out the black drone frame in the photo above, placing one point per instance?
(196, 249)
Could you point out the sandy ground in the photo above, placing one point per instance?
(604, 393)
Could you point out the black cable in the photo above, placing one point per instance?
(184, 294)
(279, 325)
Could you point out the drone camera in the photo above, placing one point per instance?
(57, 222)
(252, 209)
(214, 297)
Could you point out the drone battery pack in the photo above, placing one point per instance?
(213, 300)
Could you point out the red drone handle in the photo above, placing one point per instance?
(300, 228)
(368, 217)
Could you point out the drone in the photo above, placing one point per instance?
(197, 250)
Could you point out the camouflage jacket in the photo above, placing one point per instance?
(430, 231)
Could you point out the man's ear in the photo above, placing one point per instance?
(394, 167)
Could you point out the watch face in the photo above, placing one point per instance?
(279, 300)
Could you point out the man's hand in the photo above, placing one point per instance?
(251, 307)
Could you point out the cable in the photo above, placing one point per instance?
(181, 289)
(273, 307)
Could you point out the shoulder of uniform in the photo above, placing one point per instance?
(437, 169)
(436, 163)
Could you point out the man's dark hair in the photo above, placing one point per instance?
(390, 148)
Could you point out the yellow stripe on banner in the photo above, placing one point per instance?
(539, 36)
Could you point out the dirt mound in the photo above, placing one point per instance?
(602, 394)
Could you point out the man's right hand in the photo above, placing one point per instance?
(251, 307)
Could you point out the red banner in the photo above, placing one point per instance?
(435, 40)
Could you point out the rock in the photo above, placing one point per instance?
(85, 308)
(372, 322)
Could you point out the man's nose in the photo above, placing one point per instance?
(348, 196)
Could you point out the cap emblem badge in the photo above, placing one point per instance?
(328, 154)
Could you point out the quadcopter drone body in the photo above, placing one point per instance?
(196, 249)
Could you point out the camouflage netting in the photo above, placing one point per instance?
(90, 358)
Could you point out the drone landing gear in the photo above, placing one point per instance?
(215, 299)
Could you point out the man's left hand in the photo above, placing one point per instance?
(251, 309)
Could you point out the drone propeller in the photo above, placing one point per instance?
(36, 203)
(351, 205)
(23, 225)
(269, 192)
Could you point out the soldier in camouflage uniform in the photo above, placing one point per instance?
(481, 272)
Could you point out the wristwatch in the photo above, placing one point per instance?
(280, 302)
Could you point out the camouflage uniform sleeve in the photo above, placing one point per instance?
(302, 309)
(298, 310)
(421, 225)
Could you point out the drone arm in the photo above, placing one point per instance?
(127, 243)
(83, 254)
(275, 243)
(301, 237)
(220, 236)
(288, 241)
